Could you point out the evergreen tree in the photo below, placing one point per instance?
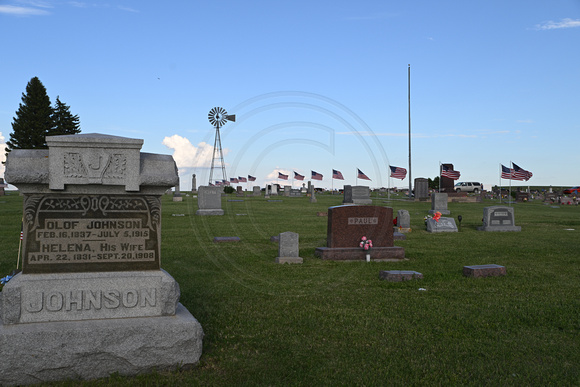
(33, 119)
(64, 121)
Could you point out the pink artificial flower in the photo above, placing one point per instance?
(364, 238)
(366, 247)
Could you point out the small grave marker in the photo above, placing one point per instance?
(288, 248)
(477, 271)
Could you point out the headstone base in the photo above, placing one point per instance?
(378, 254)
(209, 212)
(398, 236)
(443, 225)
(53, 351)
(404, 230)
(359, 201)
(499, 228)
(399, 275)
(178, 198)
(477, 271)
(289, 260)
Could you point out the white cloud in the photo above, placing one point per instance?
(22, 11)
(186, 155)
(564, 23)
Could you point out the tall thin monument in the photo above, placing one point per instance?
(218, 117)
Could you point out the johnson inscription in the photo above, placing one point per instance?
(91, 233)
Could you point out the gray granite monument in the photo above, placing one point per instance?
(256, 191)
(177, 193)
(357, 194)
(499, 218)
(92, 299)
(421, 188)
(442, 225)
(288, 248)
(439, 203)
(403, 221)
(209, 201)
(193, 184)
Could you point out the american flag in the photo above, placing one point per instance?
(234, 180)
(242, 179)
(361, 175)
(398, 172)
(316, 176)
(298, 176)
(218, 183)
(449, 173)
(337, 175)
(251, 178)
(506, 173)
(21, 231)
(282, 176)
(225, 182)
(520, 173)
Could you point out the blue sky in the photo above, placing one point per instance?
(315, 85)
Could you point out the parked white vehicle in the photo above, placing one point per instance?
(468, 186)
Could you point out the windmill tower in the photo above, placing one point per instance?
(218, 117)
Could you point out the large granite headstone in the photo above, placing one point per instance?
(357, 194)
(421, 188)
(209, 201)
(256, 191)
(177, 193)
(499, 218)
(288, 248)
(287, 189)
(349, 223)
(439, 203)
(447, 184)
(91, 299)
(442, 225)
(403, 221)
(193, 184)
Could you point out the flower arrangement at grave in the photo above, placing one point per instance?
(366, 244)
(437, 216)
(4, 280)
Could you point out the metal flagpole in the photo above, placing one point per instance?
(331, 183)
(511, 175)
(500, 170)
(356, 173)
(409, 100)
(440, 176)
(20, 243)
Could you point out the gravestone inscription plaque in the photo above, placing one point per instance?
(499, 218)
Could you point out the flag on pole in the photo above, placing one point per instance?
(242, 179)
(234, 180)
(361, 175)
(316, 176)
(337, 175)
(449, 173)
(251, 178)
(298, 176)
(218, 183)
(225, 182)
(398, 172)
(520, 173)
(506, 173)
(282, 176)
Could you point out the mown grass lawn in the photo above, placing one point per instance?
(336, 323)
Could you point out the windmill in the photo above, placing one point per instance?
(218, 117)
